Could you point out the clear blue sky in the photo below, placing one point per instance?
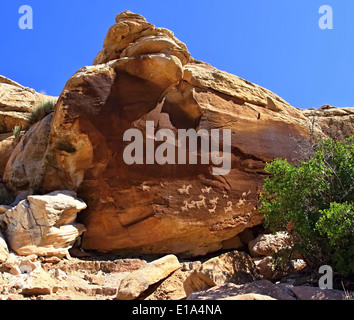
(274, 43)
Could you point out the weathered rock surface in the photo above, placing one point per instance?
(27, 164)
(7, 146)
(16, 102)
(139, 281)
(333, 121)
(312, 293)
(144, 73)
(44, 225)
(269, 244)
(20, 265)
(133, 36)
(171, 288)
(229, 290)
(4, 250)
(250, 297)
(235, 267)
(272, 271)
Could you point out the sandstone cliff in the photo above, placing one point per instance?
(144, 73)
(334, 122)
(16, 104)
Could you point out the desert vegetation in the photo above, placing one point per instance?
(41, 111)
(313, 200)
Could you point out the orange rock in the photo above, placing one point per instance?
(144, 73)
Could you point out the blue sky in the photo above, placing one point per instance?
(275, 43)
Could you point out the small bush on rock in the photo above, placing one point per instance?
(17, 133)
(41, 111)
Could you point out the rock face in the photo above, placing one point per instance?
(7, 146)
(333, 121)
(230, 291)
(311, 293)
(236, 267)
(16, 102)
(26, 165)
(139, 281)
(4, 251)
(171, 288)
(133, 36)
(269, 244)
(142, 74)
(44, 225)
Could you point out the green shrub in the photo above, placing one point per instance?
(337, 225)
(303, 198)
(17, 133)
(41, 111)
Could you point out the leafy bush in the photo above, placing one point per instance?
(308, 197)
(41, 111)
(17, 133)
(337, 225)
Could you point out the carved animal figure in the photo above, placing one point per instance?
(240, 203)
(201, 202)
(214, 201)
(213, 210)
(185, 189)
(246, 194)
(229, 207)
(191, 205)
(185, 208)
(206, 189)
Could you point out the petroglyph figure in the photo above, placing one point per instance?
(191, 205)
(185, 208)
(225, 195)
(214, 201)
(201, 202)
(145, 187)
(185, 189)
(240, 203)
(246, 194)
(206, 189)
(229, 207)
(213, 210)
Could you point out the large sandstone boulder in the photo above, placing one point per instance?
(16, 103)
(144, 74)
(27, 166)
(7, 146)
(235, 267)
(313, 293)
(231, 291)
(133, 36)
(44, 225)
(4, 250)
(169, 289)
(139, 281)
(270, 244)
